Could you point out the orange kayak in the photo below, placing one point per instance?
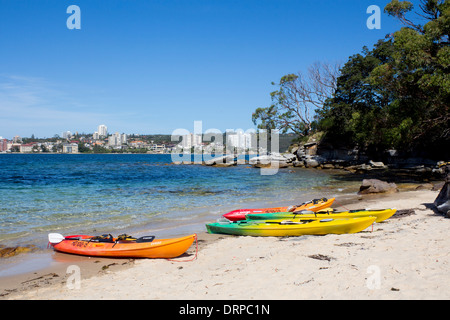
(313, 205)
(145, 247)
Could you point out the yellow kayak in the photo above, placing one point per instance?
(291, 228)
(380, 215)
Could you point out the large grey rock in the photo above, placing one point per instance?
(311, 163)
(299, 164)
(266, 160)
(377, 186)
(227, 160)
(377, 165)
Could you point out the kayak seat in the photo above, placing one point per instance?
(103, 238)
(127, 238)
(145, 239)
(316, 201)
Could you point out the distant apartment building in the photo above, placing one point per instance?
(117, 139)
(138, 144)
(158, 148)
(102, 130)
(70, 148)
(241, 140)
(191, 140)
(67, 135)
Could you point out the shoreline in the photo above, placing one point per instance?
(40, 260)
(398, 245)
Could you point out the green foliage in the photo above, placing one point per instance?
(82, 148)
(397, 94)
(398, 8)
(358, 108)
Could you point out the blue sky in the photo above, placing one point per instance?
(151, 66)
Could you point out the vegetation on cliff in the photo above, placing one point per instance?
(395, 95)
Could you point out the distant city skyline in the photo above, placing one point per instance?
(150, 67)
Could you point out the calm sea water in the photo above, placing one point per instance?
(96, 194)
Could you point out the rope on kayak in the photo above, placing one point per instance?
(195, 256)
(341, 205)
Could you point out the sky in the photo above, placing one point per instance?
(153, 66)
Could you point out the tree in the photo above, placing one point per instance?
(357, 110)
(418, 73)
(298, 97)
(397, 94)
(82, 148)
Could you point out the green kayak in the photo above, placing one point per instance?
(380, 215)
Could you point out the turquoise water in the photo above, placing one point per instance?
(96, 194)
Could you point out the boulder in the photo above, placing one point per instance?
(266, 159)
(286, 157)
(228, 160)
(294, 150)
(377, 186)
(311, 163)
(377, 165)
(300, 153)
(298, 164)
(289, 157)
(442, 202)
(263, 161)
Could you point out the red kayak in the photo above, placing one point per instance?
(313, 205)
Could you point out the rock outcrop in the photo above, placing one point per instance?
(225, 161)
(377, 186)
(6, 252)
(273, 159)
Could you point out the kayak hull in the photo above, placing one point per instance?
(240, 214)
(291, 228)
(380, 215)
(158, 248)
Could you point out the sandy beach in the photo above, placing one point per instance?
(405, 257)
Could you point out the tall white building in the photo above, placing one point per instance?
(102, 130)
(241, 140)
(117, 139)
(191, 140)
(67, 135)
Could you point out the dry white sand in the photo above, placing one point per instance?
(402, 258)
